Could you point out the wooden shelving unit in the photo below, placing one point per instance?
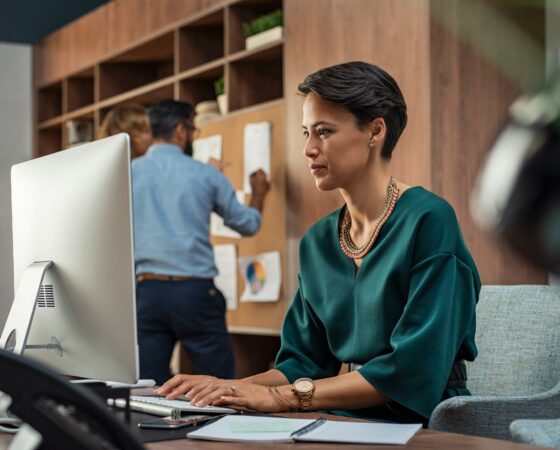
(181, 62)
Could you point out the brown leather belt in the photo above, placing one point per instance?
(155, 276)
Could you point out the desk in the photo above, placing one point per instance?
(423, 440)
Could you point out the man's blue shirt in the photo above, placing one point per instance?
(172, 198)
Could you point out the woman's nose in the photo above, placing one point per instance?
(310, 149)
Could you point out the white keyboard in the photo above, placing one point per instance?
(159, 406)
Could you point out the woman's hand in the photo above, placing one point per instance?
(249, 396)
(183, 384)
(202, 390)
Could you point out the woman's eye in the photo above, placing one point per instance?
(323, 132)
(305, 134)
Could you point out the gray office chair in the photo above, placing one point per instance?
(545, 433)
(517, 372)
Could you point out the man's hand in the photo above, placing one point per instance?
(218, 164)
(259, 184)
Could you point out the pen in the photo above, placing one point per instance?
(307, 428)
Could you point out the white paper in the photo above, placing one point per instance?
(217, 227)
(226, 429)
(362, 433)
(262, 275)
(208, 147)
(256, 151)
(225, 258)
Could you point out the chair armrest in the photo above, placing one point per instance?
(545, 433)
(491, 416)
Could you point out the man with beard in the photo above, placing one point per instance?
(173, 196)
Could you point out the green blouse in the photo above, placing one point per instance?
(407, 314)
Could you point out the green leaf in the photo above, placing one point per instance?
(219, 86)
(263, 23)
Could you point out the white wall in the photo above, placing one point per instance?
(16, 135)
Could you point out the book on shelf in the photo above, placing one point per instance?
(246, 428)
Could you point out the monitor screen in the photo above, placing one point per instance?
(74, 209)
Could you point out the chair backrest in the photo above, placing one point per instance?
(518, 340)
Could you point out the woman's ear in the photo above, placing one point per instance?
(378, 130)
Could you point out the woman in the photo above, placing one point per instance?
(129, 119)
(386, 282)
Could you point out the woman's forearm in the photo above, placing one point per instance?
(271, 378)
(347, 391)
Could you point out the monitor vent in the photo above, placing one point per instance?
(45, 299)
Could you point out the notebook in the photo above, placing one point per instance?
(280, 429)
(159, 406)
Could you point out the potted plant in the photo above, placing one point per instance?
(264, 29)
(221, 96)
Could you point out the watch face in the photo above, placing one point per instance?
(304, 385)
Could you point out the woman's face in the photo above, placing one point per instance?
(337, 150)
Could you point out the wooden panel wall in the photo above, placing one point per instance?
(470, 95)
(456, 104)
(106, 31)
(393, 34)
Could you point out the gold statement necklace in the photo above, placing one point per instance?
(348, 247)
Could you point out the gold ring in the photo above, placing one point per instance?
(233, 388)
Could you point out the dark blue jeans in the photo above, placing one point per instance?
(192, 312)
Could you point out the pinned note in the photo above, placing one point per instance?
(256, 150)
(208, 147)
(262, 275)
(225, 258)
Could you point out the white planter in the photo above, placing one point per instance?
(274, 34)
(222, 104)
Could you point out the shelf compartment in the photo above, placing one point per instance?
(199, 86)
(49, 102)
(144, 97)
(79, 90)
(144, 64)
(245, 11)
(79, 129)
(201, 41)
(256, 76)
(49, 140)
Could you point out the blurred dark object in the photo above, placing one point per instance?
(518, 191)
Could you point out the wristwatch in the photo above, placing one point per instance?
(303, 389)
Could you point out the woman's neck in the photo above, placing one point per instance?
(365, 199)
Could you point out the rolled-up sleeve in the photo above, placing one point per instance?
(243, 219)
(438, 316)
(304, 351)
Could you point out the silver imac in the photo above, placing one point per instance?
(75, 306)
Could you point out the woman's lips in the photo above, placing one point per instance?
(316, 169)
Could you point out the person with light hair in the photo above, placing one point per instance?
(131, 119)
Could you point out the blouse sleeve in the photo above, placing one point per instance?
(304, 351)
(438, 317)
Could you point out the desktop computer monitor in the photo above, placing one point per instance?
(75, 307)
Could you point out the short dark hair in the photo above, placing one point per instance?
(367, 91)
(166, 115)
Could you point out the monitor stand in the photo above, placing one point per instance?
(18, 324)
